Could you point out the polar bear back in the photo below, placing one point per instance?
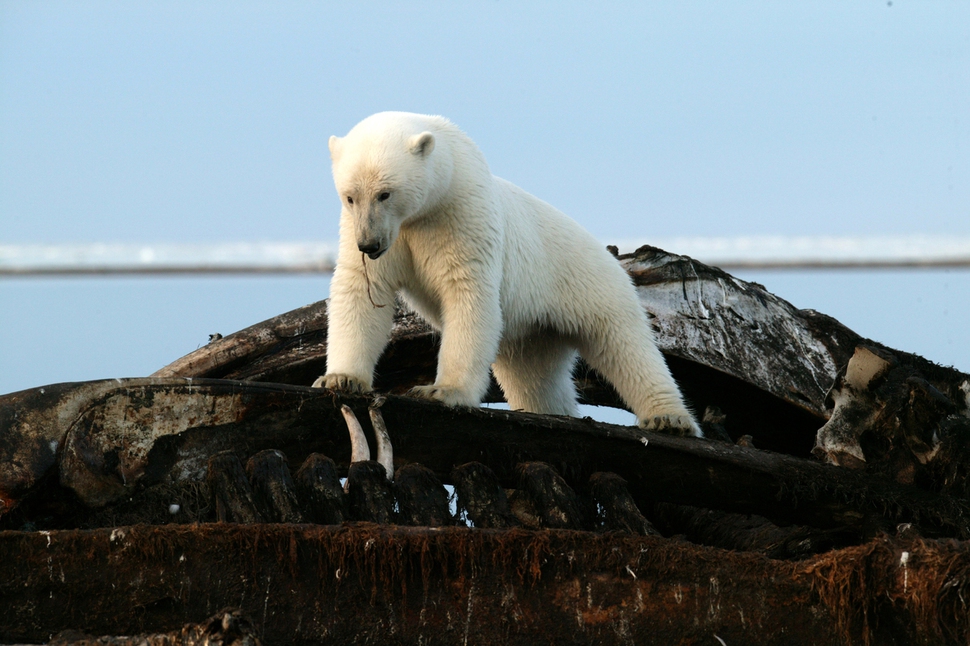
(555, 272)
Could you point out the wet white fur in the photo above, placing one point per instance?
(511, 283)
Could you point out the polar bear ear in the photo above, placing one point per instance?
(334, 147)
(422, 144)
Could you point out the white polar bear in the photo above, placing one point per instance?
(511, 283)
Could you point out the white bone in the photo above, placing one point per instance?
(385, 452)
(359, 451)
(864, 366)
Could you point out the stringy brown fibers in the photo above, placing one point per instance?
(363, 262)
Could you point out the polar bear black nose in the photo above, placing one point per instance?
(369, 248)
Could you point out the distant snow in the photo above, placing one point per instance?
(752, 252)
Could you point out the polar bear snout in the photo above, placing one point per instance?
(372, 249)
(373, 238)
(375, 228)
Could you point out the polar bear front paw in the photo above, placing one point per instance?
(343, 383)
(679, 425)
(443, 394)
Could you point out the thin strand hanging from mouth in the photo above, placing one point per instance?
(363, 262)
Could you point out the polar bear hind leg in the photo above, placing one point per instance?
(536, 375)
(628, 358)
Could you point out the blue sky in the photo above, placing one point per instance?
(208, 121)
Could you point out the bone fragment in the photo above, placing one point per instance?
(864, 366)
(385, 452)
(359, 450)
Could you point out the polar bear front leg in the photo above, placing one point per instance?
(470, 332)
(357, 331)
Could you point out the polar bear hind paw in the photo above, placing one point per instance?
(443, 394)
(679, 425)
(343, 383)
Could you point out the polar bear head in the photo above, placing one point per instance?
(385, 174)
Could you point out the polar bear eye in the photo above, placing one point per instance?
(350, 200)
(383, 196)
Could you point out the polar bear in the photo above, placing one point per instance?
(511, 283)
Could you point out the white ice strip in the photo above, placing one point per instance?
(754, 252)
(98, 258)
(768, 252)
